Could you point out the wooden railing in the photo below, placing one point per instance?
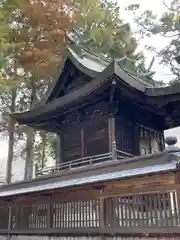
(120, 214)
(86, 161)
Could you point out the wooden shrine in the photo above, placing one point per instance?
(113, 176)
(95, 103)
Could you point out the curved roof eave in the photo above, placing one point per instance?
(64, 101)
(163, 91)
(96, 83)
(127, 78)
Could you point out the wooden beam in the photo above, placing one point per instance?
(140, 191)
(108, 231)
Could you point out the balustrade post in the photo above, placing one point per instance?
(114, 150)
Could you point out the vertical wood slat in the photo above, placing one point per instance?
(86, 215)
(134, 213)
(141, 207)
(78, 205)
(101, 211)
(117, 210)
(125, 212)
(138, 217)
(128, 212)
(122, 212)
(175, 208)
(62, 207)
(165, 215)
(171, 222)
(70, 215)
(146, 208)
(160, 219)
(150, 209)
(155, 209)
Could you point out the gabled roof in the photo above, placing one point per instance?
(93, 66)
(100, 71)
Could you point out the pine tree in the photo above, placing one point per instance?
(168, 26)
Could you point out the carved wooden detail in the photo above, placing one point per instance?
(91, 113)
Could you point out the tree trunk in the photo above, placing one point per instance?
(58, 155)
(43, 136)
(28, 173)
(11, 138)
(29, 154)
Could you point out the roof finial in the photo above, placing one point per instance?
(172, 150)
(171, 144)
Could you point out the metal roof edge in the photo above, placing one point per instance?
(128, 78)
(162, 91)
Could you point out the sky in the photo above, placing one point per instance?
(157, 7)
(162, 74)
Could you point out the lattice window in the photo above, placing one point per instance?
(142, 210)
(125, 136)
(150, 141)
(38, 217)
(76, 214)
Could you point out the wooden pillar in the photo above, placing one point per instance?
(102, 211)
(50, 214)
(112, 137)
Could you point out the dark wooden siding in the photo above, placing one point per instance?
(72, 145)
(85, 139)
(96, 137)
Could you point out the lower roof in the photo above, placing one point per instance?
(91, 179)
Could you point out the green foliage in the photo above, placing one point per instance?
(168, 26)
(100, 29)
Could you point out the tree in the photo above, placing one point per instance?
(168, 26)
(37, 29)
(100, 28)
